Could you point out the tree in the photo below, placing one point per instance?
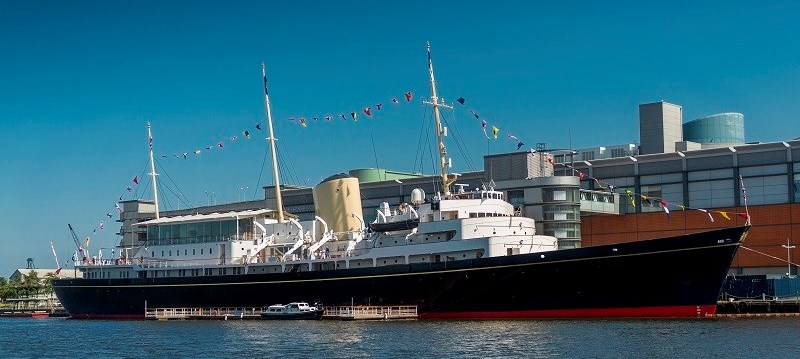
(5, 289)
(31, 283)
(47, 288)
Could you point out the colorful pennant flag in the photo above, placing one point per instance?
(708, 213)
(353, 115)
(246, 134)
(725, 215)
(258, 126)
(378, 106)
(409, 95)
(394, 100)
(136, 179)
(368, 111)
(495, 132)
(220, 145)
(461, 100)
(303, 122)
(664, 207)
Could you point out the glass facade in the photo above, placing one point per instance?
(720, 130)
(200, 232)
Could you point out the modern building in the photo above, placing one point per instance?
(715, 131)
(659, 127)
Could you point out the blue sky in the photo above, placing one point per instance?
(79, 80)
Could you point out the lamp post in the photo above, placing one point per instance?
(788, 257)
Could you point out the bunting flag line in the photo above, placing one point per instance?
(649, 200)
(514, 138)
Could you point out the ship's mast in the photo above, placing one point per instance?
(268, 110)
(443, 161)
(153, 168)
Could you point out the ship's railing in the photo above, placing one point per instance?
(207, 312)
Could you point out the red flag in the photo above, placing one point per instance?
(409, 95)
(743, 215)
(136, 179)
(58, 271)
(581, 175)
(368, 111)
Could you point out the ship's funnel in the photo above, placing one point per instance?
(336, 198)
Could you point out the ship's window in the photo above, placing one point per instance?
(170, 253)
(178, 253)
(211, 251)
(201, 250)
(185, 252)
(473, 215)
(153, 254)
(162, 253)
(193, 251)
(509, 251)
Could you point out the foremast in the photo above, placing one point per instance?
(444, 162)
(153, 168)
(268, 110)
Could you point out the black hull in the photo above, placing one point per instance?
(669, 277)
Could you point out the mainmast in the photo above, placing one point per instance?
(267, 109)
(440, 131)
(153, 168)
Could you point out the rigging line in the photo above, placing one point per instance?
(141, 175)
(771, 256)
(460, 145)
(290, 167)
(177, 188)
(374, 151)
(420, 144)
(426, 145)
(260, 173)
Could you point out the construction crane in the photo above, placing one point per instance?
(74, 237)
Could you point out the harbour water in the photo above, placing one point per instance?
(723, 338)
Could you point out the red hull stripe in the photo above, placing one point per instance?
(688, 311)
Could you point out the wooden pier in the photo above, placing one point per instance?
(334, 313)
(202, 313)
(399, 312)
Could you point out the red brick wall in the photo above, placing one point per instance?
(771, 226)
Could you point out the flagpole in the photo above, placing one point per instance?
(268, 110)
(153, 168)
